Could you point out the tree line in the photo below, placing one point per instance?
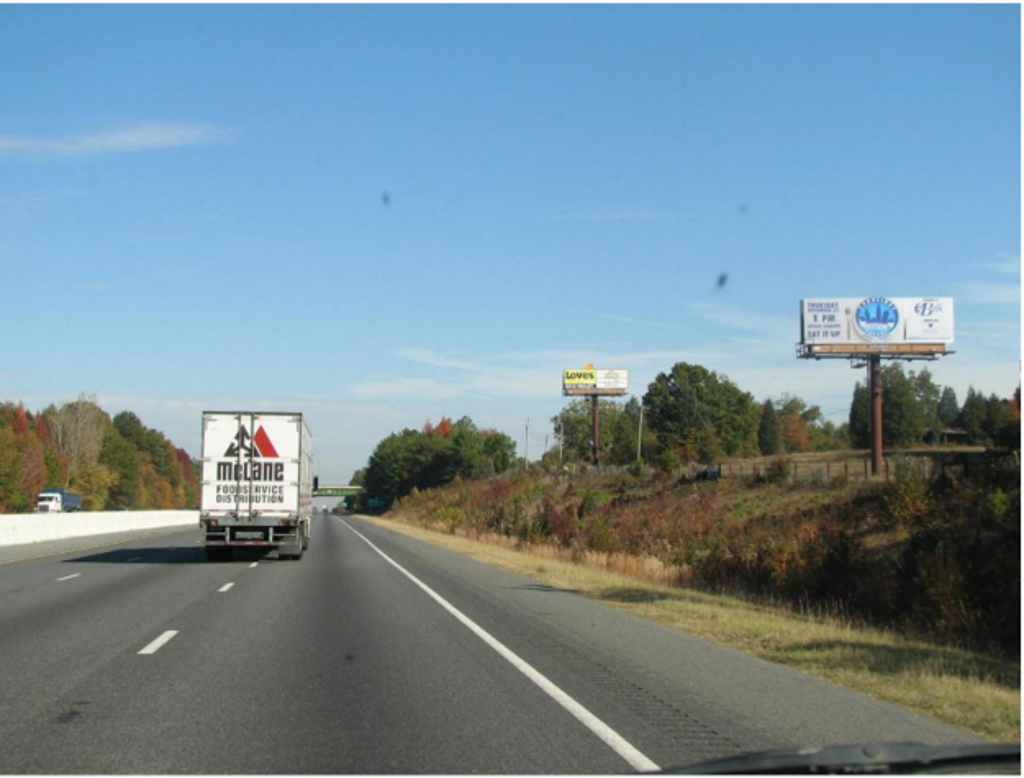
(434, 456)
(692, 414)
(916, 410)
(111, 462)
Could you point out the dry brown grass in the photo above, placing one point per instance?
(965, 689)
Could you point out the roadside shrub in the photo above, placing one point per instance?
(450, 518)
(997, 503)
(600, 534)
(908, 499)
(778, 471)
(593, 499)
(557, 520)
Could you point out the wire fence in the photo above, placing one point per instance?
(851, 468)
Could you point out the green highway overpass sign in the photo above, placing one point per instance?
(337, 491)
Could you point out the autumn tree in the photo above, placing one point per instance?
(190, 486)
(77, 430)
(11, 499)
(795, 435)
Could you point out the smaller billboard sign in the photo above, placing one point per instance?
(589, 381)
(582, 377)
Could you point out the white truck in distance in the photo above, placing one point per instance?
(257, 488)
(58, 501)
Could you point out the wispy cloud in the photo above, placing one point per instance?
(991, 292)
(25, 203)
(576, 358)
(132, 138)
(740, 319)
(1007, 265)
(643, 322)
(405, 387)
(995, 292)
(430, 357)
(610, 214)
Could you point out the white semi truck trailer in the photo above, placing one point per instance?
(257, 488)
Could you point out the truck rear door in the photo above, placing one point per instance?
(251, 466)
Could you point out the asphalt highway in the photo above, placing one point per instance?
(375, 653)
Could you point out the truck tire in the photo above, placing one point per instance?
(303, 542)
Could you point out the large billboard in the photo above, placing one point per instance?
(858, 324)
(591, 381)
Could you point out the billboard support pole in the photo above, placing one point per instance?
(876, 414)
(595, 399)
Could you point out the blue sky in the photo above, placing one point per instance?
(192, 209)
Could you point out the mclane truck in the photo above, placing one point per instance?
(257, 483)
(58, 501)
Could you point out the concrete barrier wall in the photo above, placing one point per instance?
(35, 527)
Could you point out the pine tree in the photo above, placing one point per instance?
(860, 417)
(769, 432)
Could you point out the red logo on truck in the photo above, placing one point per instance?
(259, 445)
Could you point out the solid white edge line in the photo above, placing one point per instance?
(69, 577)
(225, 587)
(609, 736)
(157, 644)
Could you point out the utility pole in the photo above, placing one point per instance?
(640, 433)
(527, 457)
(597, 430)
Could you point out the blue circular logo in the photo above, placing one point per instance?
(877, 318)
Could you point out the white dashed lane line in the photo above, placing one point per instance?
(254, 564)
(157, 644)
(225, 587)
(69, 577)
